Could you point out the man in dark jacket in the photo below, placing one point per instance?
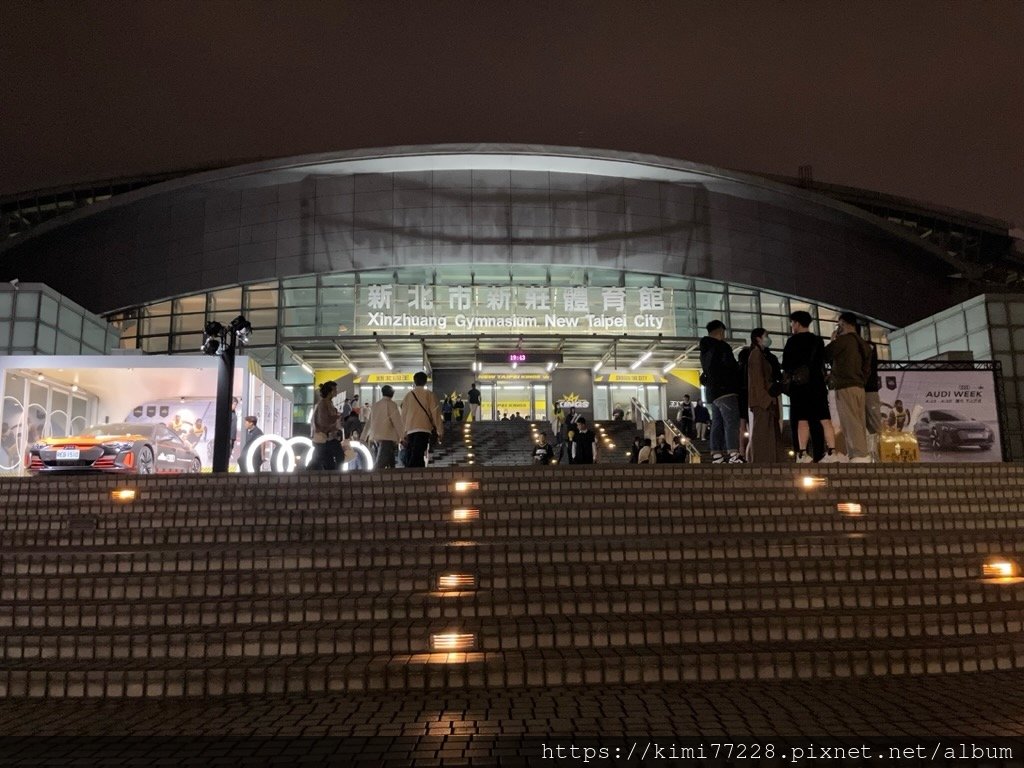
(721, 374)
(803, 360)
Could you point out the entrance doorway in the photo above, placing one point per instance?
(610, 397)
(529, 399)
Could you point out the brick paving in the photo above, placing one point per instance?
(507, 727)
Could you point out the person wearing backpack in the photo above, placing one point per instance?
(850, 356)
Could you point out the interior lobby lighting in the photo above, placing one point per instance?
(808, 482)
(307, 368)
(668, 367)
(999, 568)
(461, 486)
(387, 361)
(456, 581)
(851, 508)
(597, 365)
(465, 515)
(550, 367)
(641, 360)
(453, 641)
(352, 367)
(123, 494)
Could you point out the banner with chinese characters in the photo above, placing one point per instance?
(517, 309)
(953, 414)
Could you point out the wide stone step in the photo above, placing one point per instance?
(821, 527)
(411, 613)
(506, 669)
(364, 594)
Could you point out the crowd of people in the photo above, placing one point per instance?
(744, 394)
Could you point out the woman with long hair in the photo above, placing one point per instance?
(327, 451)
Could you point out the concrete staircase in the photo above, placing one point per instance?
(539, 576)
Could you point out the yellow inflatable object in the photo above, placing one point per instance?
(898, 447)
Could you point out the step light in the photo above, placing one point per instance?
(456, 581)
(809, 482)
(464, 515)
(461, 486)
(453, 641)
(851, 508)
(1000, 568)
(123, 494)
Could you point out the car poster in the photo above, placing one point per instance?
(953, 413)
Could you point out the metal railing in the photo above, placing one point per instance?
(643, 418)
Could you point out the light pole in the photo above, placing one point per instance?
(221, 341)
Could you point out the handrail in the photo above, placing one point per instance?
(670, 428)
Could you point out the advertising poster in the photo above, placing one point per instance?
(953, 414)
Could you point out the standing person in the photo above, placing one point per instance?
(459, 408)
(803, 361)
(634, 453)
(251, 433)
(646, 455)
(721, 377)
(744, 405)
(474, 403)
(679, 451)
(352, 422)
(327, 451)
(446, 409)
(421, 416)
(582, 444)
(763, 381)
(850, 356)
(701, 419)
(684, 418)
(873, 404)
(384, 426)
(663, 451)
(543, 453)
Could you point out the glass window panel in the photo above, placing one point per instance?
(921, 341)
(568, 276)
(742, 322)
(997, 313)
(189, 323)
(952, 327)
(978, 343)
(5, 334)
(1001, 339)
(227, 300)
(70, 321)
(713, 301)
(6, 303)
(341, 295)
(299, 316)
(1016, 313)
(531, 274)
(48, 309)
(491, 274)
(263, 337)
(260, 299)
(642, 280)
(453, 276)
(742, 303)
(190, 304)
(775, 324)
(676, 283)
(773, 304)
(186, 342)
(27, 304)
(94, 336)
(162, 308)
(975, 317)
(66, 345)
(376, 276)
(345, 278)
(262, 319)
(155, 325)
(153, 344)
(24, 334)
(300, 297)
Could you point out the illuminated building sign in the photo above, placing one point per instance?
(404, 309)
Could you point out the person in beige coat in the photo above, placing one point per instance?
(421, 415)
(384, 426)
(762, 399)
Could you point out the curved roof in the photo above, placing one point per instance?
(522, 157)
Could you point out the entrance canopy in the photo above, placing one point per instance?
(412, 353)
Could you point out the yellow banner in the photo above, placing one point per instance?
(385, 378)
(488, 377)
(688, 375)
(320, 376)
(632, 378)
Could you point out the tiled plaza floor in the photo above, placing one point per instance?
(508, 727)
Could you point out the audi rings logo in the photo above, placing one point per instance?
(285, 460)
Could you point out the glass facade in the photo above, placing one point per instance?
(36, 320)
(325, 306)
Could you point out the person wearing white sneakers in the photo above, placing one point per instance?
(850, 356)
(803, 362)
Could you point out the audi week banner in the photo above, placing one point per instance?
(953, 413)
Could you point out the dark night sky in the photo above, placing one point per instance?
(920, 99)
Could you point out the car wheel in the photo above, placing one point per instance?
(197, 466)
(936, 440)
(146, 464)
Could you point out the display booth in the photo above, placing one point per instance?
(60, 396)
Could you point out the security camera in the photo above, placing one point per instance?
(14, 283)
